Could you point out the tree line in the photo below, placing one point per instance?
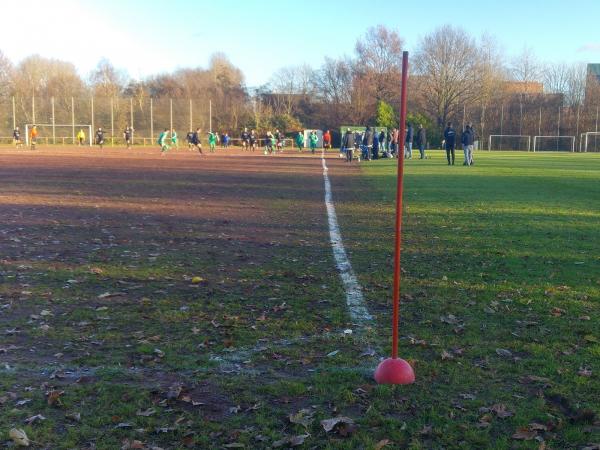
(453, 76)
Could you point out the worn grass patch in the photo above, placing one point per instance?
(184, 302)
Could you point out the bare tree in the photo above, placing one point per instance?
(446, 64)
(379, 60)
(526, 67)
(106, 81)
(6, 73)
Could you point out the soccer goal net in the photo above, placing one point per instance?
(590, 142)
(60, 134)
(516, 142)
(554, 143)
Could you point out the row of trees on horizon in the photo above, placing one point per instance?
(453, 74)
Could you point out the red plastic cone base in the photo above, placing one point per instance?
(394, 371)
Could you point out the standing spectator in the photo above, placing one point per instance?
(313, 139)
(394, 142)
(376, 145)
(358, 137)
(388, 142)
(449, 142)
(408, 141)
(381, 140)
(467, 140)
(421, 140)
(300, 140)
(327, 140)
(81, 137)
(17, 138)
(367, 144)
(99, 137)
(348, 144)
(33, 133)
(475, 146)
(128, 136)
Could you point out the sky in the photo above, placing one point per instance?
(145, 37)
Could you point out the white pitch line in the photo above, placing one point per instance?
(354, 296)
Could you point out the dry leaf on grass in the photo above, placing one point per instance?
(524, 434)
(292, 441)
(19, 437)
(500, 410)
(329, 424)
(303, 417)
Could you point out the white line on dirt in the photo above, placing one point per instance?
(354, 296)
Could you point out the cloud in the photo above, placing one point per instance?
(593, 47)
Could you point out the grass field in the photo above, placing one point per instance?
(187, 302)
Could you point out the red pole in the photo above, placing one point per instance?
(398, 247)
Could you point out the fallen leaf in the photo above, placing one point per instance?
(303, 417)
(503, 352)
(19, 437)
(382, 443)
(534, 426)
(33, 419)
(500, 410)
(330, 424)
(524, 434)
(426, 431)
(197, 280)
(234, 445)
(53, 397)
(446, 355)
(584, 372)
(292, 441)
(147, 413)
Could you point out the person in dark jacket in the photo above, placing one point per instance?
(348, 144)
(421, 140)
(450, 142)
(467, 139)
(196, 142)
(367, 144)
(408, 141)
(376, 145)
(382, 146)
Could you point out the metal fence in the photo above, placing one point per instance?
(526, 115)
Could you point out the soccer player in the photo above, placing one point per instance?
(278, 140)
(33, 133)
(300, 140)
(196, 142)
(162, 141)
(81, 137)
(313, 139)
(450, 140)
(189, 138)
(253, 140)
(226, 140)
(17, 138)
(327, 140)
(100, 137)
(245, 139)
(128, 136)
(174, 139)
(212, 141)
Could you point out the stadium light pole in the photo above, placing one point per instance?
(395, 370)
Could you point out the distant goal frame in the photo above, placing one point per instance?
(523, 136)
(572, 138)
(584, 140)
(56, 125)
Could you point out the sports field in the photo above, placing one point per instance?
(194, 302)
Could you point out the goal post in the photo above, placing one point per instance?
(589, 142)
(515, 142)
(59, 134)
(554, 143)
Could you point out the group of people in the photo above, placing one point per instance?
(370, 144)
(468, 139)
